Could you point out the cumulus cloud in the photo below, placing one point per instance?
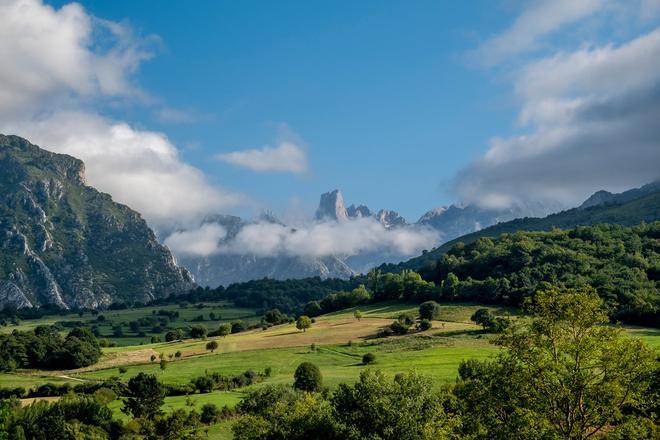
(286, 157)
(318, 239)
(51, 56)
(61, 65)
(141, 169)
(538, 20)
(199, 242)
(589, 120)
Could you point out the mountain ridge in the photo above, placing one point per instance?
(65, 243)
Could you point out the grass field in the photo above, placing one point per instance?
(223, 311)
(340, 341)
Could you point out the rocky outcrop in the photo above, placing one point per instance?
(66, 244)
(331, 207)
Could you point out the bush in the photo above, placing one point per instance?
(307, 377)
(210, 414)
(429, 310)
(198, 332)
(368, 358)
(399, 328)
(212, 346)
(424, 325)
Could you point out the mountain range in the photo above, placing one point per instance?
(66, 244)
(447, 223)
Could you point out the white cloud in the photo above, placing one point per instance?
(197, 242)
(326, 238)
(50, 57)
(60, 66)
(592, 117)
(286, 157)
(539, 19)
(141, 169)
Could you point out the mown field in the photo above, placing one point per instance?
(339, 341)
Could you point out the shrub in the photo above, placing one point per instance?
(424, 325)
(429, 310)
(212, 346)
(368, 358)
(399, 328)
(307, 377)
(210, 414)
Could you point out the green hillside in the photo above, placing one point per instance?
(643, 209)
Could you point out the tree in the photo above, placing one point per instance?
(174, 335)
(223, 330)
(564, 375)
(357, 315)
(377, 407)
(303, 323)
(482, 317)
(307, 377)
(163, 364)
(210, 414)
(145, 396)
(212, 346)
(198, 332)
(312, 308)
(429, 310)
(424, 325)
(368, 358)
(237, 327)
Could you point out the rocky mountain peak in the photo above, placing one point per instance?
(331, 206)
(390, 219)
(359, 211)
(64, 243)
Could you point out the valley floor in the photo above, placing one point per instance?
(340, 342)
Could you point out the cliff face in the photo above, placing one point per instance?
(65, 243)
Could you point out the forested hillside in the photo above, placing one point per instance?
(621, 263)
(629, 213)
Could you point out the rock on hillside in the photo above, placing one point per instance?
(66, 244)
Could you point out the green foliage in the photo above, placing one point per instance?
(424, 325)
(145, 396)
(621, 263)
(429, 310)
(198, 332)
(212, 346)
(45, 348)
(400, 327)
(368, 358)
(564, 375)
(307, 377)
(303, 323)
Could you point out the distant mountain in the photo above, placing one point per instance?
(607, 198)
(628, 208)
(66, 244)
(456, 220)
(227, 268)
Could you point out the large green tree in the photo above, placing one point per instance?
(145, 396)
(566, 374)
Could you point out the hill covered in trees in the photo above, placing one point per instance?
(643, 207)
(621, 263)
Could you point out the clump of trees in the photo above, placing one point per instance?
(489, 322)
(45, 348)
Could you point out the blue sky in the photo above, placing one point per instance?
(380, 93)
(182, 110)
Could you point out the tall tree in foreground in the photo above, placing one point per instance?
(567, 374)
(146, 396)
